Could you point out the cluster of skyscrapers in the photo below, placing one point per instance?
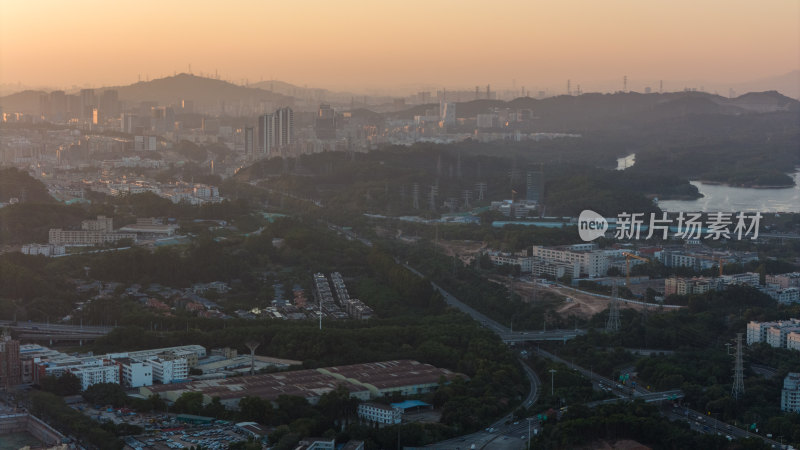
(275, 133)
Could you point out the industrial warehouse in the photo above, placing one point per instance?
(364, 381)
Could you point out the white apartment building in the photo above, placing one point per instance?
(773, 333)
(750, 278)
(785, 296)
(555, 269)
(793, 341)
(593, 263)
(102, 223)
(790, 396)
(380, 414)
(525, 263)
(96, 371)
(136, 373)
(43, 249)
(132, 369)
(167, 371)
(190, 352)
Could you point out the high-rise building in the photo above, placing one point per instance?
(187, 106)
(275, 132)
(249, 143)
(535, 186)
(284, 118)
(10, 369)
(58, 104)
(162, 118)
(266, 134)
(88, 102)
(447, 111)
(325, 122)
(109, 103)
(128, 123)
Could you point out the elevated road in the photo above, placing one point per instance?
(538, 336)
(54, 328)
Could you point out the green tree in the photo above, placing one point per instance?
(189, 403)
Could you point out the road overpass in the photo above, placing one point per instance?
(539, 336)
(54, 328)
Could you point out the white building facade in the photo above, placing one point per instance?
(790, 396)
(380, 414)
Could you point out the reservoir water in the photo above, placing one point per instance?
(717, 197)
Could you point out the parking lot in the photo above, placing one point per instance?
(209, 437)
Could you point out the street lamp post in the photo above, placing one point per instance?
(529, 432)
(552, 390)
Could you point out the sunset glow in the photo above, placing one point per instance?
(357, 44)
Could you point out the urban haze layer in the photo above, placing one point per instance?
(479, 236)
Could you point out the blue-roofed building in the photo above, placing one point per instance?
(411, 405)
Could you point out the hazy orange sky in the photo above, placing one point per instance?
(358, 44)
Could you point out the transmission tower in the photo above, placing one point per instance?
(415, 195)
(467, 195)
(481, 188)
(738, 371)
(432, 197)
(613, 311)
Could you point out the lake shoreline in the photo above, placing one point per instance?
(716, 196)
(745, 186)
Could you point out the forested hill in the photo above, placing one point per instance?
(622, 110)
(18, 184)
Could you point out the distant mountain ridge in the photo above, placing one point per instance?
(593, 111)
(558, 113)
(202, 91)
(168, 90)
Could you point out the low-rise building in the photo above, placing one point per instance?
(168, 368)
(376, 413)
(363, 381)
(785, 296)
(772, 333)
(525, 263)
(685, 286)
(43, 249)
(150, 227)
(793, 341)
(312, 443)
(593, 263)
(135, 373)
(784, 280)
